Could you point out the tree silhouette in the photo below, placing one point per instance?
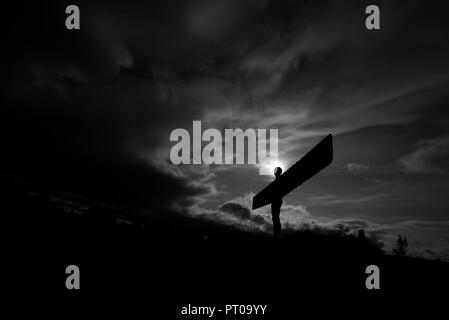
(400, 249)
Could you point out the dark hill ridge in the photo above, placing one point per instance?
(175, 259)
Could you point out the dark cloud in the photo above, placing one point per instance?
(242, 213)
(236, 210)
(431, 156)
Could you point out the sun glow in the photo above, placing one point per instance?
(268, 168)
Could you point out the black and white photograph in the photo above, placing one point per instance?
(224, 159)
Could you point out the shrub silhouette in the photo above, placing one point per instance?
(400, 249)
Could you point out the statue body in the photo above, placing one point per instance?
(276, 208)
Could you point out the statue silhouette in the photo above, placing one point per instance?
(309, 165)
(276, 208)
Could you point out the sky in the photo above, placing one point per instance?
(91, 110)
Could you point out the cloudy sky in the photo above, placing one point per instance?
(91, 111)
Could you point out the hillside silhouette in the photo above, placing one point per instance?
(180, 259)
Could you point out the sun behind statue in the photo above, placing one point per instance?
(277, 171)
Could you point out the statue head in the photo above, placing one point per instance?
(277, 171)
